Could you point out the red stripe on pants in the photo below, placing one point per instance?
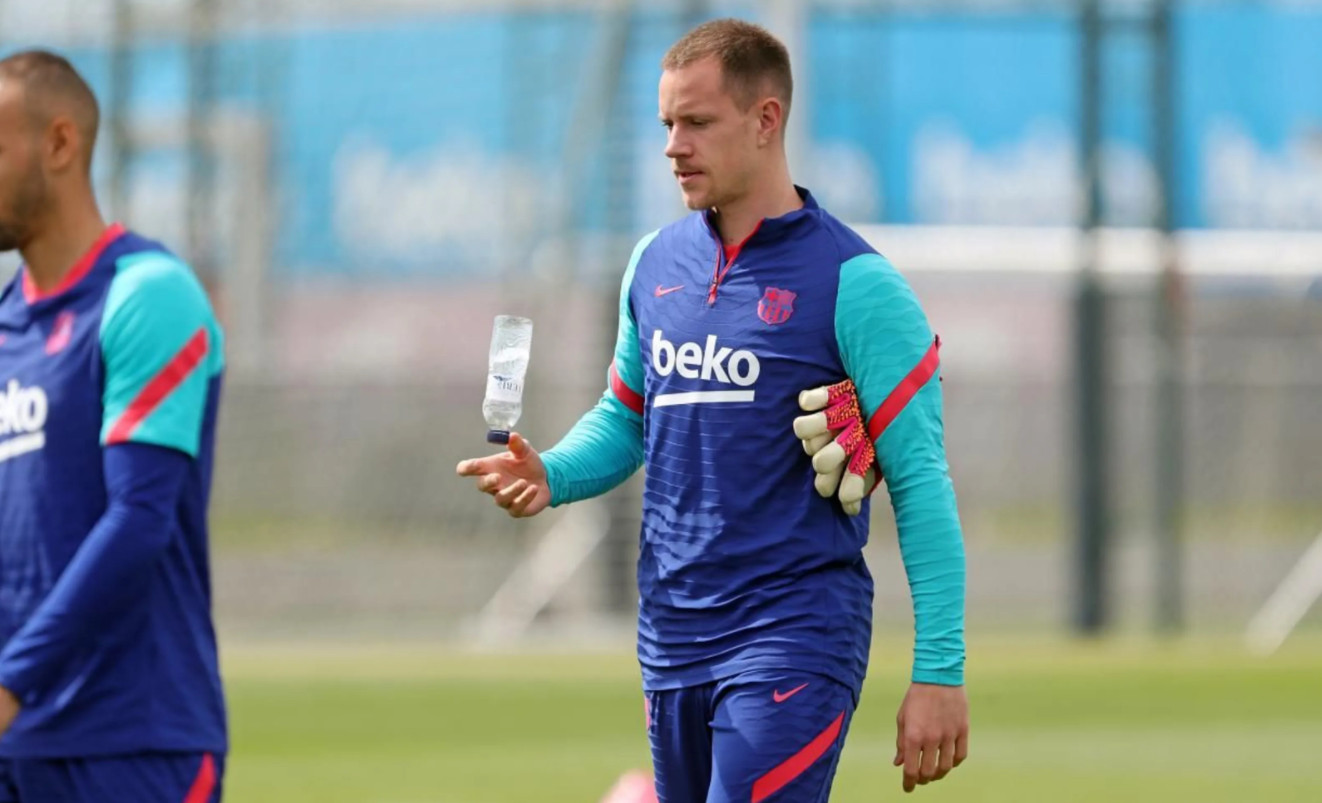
(797, 764)
(205, 782)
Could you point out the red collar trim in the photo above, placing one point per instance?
(32, 294)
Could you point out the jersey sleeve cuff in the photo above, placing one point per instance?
(939, 677)
(555, 478)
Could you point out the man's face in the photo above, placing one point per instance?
(712, 144)
(23, 190)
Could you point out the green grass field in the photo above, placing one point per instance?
(1195, 721)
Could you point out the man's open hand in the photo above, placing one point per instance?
(516, 478)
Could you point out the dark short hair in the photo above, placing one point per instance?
(49, 81)
(753, 61)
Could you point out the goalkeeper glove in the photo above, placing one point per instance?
(834, 435)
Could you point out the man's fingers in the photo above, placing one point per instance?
(518, 448)
(814, 399)
(506, 496)
(489, 484)
(827, 483)
(927, 768)
(497, 475)
(913, 753)
(947, 761)
(471, 468)
(961, 748)
(521, 502)
(810, 426)
(815, 444)
(829, 459)
(852, 488)
(899, 740)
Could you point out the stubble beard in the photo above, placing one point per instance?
(30, 200)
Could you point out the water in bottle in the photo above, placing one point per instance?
(511, 341)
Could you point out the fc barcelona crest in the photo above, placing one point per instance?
(776, 305)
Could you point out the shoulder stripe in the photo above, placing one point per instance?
(160, 387)
(906, 390)
(624, 393)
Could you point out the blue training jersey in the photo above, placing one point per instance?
(125, 352)
(742, 565)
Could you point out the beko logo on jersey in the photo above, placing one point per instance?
(22, 420)
(709, 362)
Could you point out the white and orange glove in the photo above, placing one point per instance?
(836, 437)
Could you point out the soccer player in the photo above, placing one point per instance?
(110, 365)
(755, 610)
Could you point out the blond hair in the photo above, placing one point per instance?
(753, 61)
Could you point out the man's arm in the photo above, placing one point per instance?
(599, 452)
(889, 351)
(886, 345)
(605, 447)
(111, 568)
(159, 348)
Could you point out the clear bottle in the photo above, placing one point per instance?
(511, 342)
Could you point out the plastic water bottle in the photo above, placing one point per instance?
(511, 342)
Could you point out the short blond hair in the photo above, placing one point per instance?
(753, 61)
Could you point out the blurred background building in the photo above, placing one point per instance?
(1134, 421)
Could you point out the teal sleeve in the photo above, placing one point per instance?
(605, 447)
(883, 335)
(160, 346)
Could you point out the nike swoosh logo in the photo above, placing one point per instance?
(665, 291)
(780, 698)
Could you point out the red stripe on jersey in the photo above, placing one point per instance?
(906, 390)
(161, 386)
(625, 393)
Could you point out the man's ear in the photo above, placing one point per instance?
(61, 144)
(770, 120)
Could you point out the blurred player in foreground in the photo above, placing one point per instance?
(110, 364)
(755, 615)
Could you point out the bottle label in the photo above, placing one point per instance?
(504, 389)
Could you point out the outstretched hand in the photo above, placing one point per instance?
(515, 478)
